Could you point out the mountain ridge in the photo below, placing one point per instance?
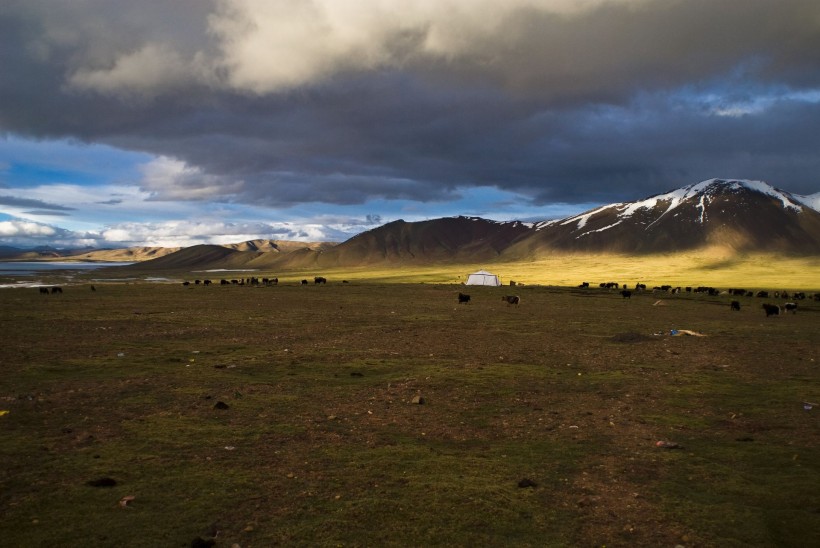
(727, 215)
(755, 214)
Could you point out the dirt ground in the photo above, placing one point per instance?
(364, 414)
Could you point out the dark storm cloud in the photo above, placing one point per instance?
(570, 105)
(27, 202)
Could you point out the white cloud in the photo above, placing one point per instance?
(28, 229)
(269, 45)
(760, 103)
(264, 46)
(182, 233)
(171, 179)
(153, 69)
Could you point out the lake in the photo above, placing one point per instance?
(33, 268)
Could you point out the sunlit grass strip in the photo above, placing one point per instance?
(691, 269)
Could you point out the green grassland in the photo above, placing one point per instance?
(704, 268)
(537, 424)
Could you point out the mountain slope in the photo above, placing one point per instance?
(279, 246)
(197, 256)
(450, 239)
(738, 215)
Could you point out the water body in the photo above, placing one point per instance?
(35, 268)
(32, 273)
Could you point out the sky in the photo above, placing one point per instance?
(181, 122)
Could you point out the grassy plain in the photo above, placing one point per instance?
(704, 268)
(538, 423)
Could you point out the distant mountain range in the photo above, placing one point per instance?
(140, 254)
(736, 216)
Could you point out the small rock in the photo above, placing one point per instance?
(418, 400)
(126, 500)
(668, 445)
(526, 482)
(221, 405)
(102, 482)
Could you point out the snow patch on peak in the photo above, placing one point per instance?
(812, 200)
(703, 191)
(584, 217)
(616, 223)
(764, 188)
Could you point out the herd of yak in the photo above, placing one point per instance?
(463, 298)
(768, 308)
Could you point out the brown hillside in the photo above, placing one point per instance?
(446, 240)
(126, 254)
(197, 256)
(279, 246)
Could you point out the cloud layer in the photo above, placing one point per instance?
(278, 103)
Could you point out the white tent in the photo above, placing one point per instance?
(482, 277)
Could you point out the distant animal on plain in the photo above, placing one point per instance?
(304, 282)
(626, 294)
(511, 299)
(734, 305)
(771, 309)
(463, 298)
(790, 307)
(319, 280)
(56, 290)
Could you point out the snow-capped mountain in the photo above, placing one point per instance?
(736, 214)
